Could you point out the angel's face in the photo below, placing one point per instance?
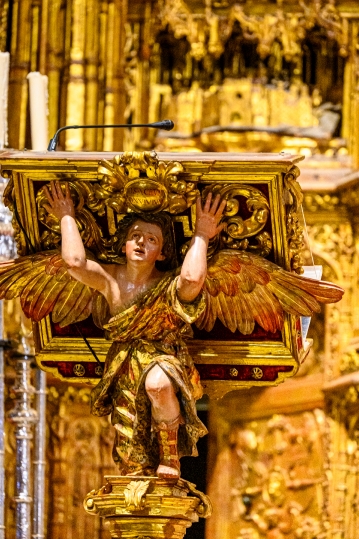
(144, 243)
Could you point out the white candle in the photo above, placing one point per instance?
(4, 85)
(38, 111)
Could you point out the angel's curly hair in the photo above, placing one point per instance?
(164, 222)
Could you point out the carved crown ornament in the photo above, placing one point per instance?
(138, 181)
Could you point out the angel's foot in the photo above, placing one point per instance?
(167, 472)
(167, 435)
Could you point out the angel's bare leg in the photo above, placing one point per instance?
(167, 417)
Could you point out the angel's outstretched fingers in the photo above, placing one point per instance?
(207, 204)
(58, 189)
(198, 206)
(215, 205)
(67, 191)
(221, 209)
(48, 195)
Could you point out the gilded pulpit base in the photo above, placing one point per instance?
(140, 507)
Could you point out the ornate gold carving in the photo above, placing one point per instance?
(135, 493)
(264, 477)
(171, 505)
(349, 362)
(138, 181)
(94, 235)
(208, 32)
(187, 232)
(293, 198)
(334, 242)
(314, 202)
(90, 195)
(238, 231)
(135, 181)
(326, 15)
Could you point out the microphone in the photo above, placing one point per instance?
(167, 125)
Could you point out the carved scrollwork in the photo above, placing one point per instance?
(204, 509)
(293, 199)
(93, 236)
(238, 231)
(135, 181)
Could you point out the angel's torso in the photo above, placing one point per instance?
(124, 288)
(156, 314)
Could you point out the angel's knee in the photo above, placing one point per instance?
(158, 385)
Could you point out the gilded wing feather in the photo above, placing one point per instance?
(44, 285)
(242, 289)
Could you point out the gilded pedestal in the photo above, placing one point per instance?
(147, 507)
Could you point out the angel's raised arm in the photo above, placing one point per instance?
(194, 268)
(73, 252)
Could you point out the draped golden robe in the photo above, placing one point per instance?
(151, 331)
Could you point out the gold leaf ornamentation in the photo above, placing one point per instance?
(238, 231)
(135, 494)
(138, 181)
(293, 199)
(204, 509)
(94, 237)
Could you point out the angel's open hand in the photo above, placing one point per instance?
(208, 217)
(59, 204)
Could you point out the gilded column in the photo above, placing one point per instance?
(111, 43)
(75, 113)
(101, 70)
(351, 95)
(91, 74)
(120, 7)
(145, 52)
(20, 66)
(55, 60)
(35, 34)
(355, 133)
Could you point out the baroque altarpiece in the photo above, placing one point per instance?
(235, 77)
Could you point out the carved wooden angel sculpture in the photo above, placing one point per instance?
(150, 384)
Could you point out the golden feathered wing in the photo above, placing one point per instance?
(243, 288)
(44, 285)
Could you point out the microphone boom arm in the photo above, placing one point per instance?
(167, 125)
